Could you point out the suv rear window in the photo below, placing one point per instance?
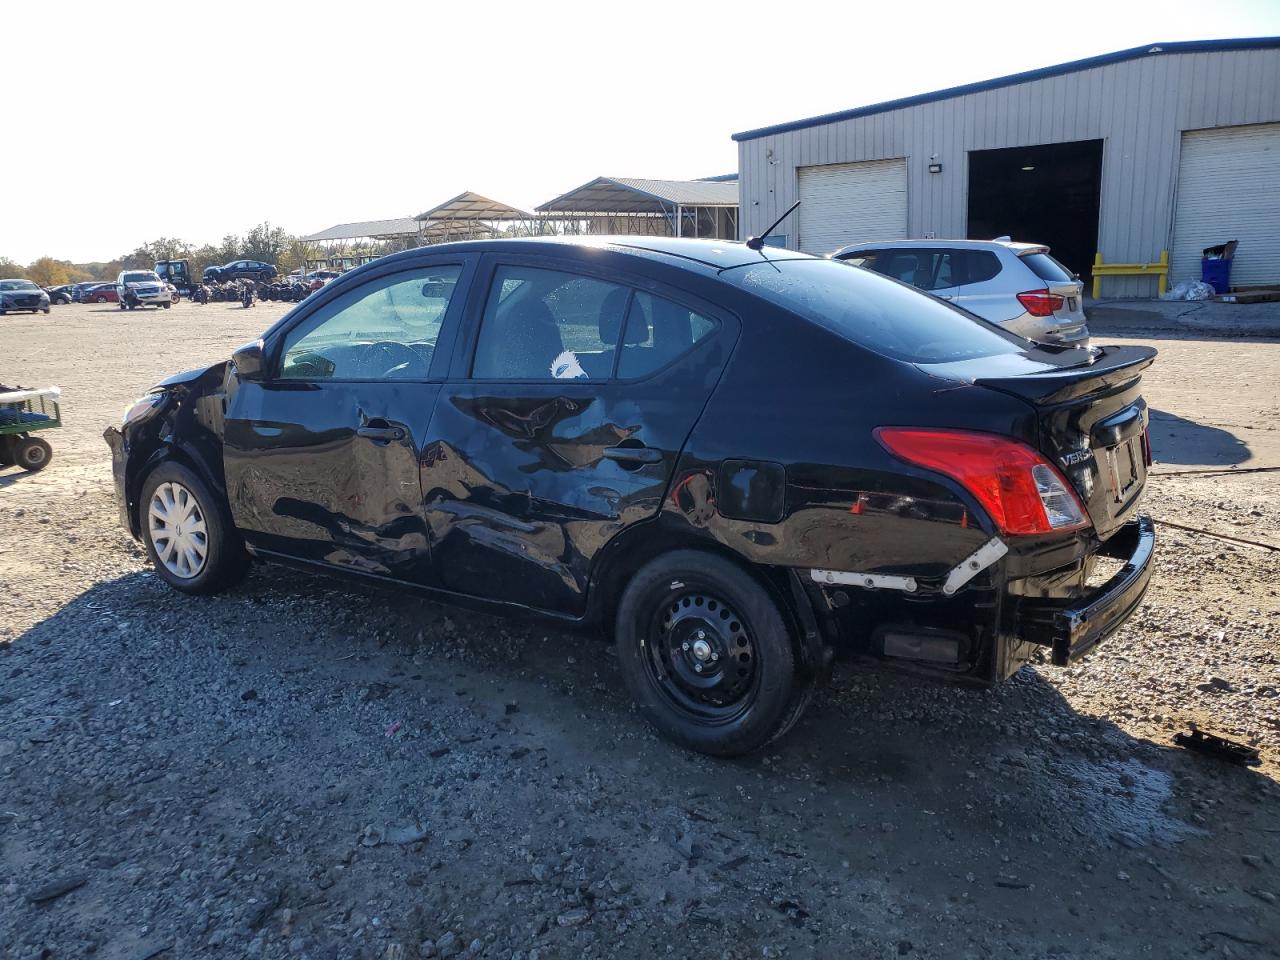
(1045, 267)
(873, 311)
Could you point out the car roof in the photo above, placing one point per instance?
(1017, 247)
(679, 251)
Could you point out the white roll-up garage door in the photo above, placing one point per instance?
(1229, 189)
(842, 203)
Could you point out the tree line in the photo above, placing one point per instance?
(264, 242)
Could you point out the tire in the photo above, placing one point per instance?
(225, 561)
(689, 609)
(167, 304)
(45, 309)
(99, 299)
(32, 454)
(122, 306)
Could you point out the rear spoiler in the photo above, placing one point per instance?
(1114, 367)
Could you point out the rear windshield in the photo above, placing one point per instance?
(1046, 268)
(873, 311)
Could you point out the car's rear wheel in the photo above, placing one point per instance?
(167, 304)
(188, 532)
(99, 299)
(32, 453)
(707, 655)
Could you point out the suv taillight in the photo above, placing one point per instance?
(1040, 303)
(1022, 491)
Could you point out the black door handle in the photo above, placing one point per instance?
(638, 454)
(381, 434)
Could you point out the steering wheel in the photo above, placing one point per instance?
(396, 355)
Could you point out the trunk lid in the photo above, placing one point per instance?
(1092, 424)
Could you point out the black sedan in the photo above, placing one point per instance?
(240, 270)
(736, 462)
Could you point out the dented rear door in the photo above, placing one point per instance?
(542, 447)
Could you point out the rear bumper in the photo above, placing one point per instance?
(1074, 627)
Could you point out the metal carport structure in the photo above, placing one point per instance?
(672, 208)
(469, 216)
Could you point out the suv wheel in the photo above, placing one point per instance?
(188, 532)
(707, 655)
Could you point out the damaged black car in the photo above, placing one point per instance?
(736, 463)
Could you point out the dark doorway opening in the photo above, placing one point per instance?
(1047, 194)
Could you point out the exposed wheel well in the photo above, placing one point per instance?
(166, 453)
(650, 540)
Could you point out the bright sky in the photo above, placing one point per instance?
(197, 119)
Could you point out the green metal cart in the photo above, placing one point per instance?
(22, 413)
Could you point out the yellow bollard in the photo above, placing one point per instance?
(1097, 275)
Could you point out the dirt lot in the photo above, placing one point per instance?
(225, 777)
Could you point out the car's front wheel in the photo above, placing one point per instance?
(188, 532)
(707, 654)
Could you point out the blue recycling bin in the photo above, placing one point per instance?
(1216, 273)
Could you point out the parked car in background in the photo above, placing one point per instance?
(22, 295)
(60, 294)
(78, 290)
(100, 293)
(141, 288)
(1017, 285)
(240, 270)
(733, 461)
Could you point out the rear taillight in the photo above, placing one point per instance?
(1021, 490)
(1040, 303)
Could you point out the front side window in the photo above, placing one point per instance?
(549, 325)
(385, 329)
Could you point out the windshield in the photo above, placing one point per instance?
(17, 285)
(141, 277)
(878, 313)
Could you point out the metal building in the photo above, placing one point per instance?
(1172, 146)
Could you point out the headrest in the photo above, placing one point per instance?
(611, 318)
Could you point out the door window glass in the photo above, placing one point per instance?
(658, 331)
(926, 269)
(382, 330)
(548, 325)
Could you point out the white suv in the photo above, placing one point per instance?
(137, 288)
(1017, 285)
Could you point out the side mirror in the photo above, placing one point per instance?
(250, 362)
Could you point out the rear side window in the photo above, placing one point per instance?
(872, 311)
(549, 325)
(976, 266)
(658, 331)
(1046, 268)
(926, 269)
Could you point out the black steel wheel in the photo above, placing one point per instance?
(707, 654)
(32, 453)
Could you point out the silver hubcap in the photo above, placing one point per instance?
(177, 528)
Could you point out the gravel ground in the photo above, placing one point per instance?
(305, 767)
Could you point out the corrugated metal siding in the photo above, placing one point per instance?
(1138, 107)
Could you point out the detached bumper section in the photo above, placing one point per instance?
(1074, 627)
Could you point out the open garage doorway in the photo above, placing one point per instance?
(1045, 194)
